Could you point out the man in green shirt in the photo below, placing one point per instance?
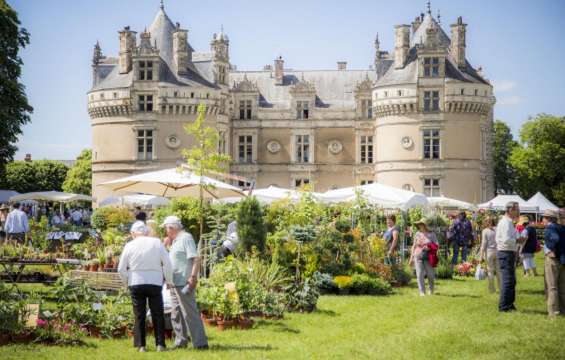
(185, 261)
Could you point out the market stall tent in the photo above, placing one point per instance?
(133, 200)
(55, 196)
(500, 201)
(448, 203)
(381, 195)
(541, 202)
(271, 194)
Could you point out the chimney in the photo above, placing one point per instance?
(279, 70)
(27, 157)
(127, 44)
(457, 49)
(342, 65)
(401, 46)
(180, 50)
(417, 22)
(268, 67)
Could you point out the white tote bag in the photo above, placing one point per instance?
(480, 273)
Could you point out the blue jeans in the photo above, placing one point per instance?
(464, 248)
(507, 266)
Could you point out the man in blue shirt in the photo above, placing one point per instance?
(462, 235)
(554, 250)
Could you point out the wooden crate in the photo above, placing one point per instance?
(99, 280)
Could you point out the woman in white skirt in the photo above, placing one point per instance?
(488, 253)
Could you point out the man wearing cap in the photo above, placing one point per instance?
(185, 315)
(507, 238)
(143, 265)
(16, 225)
(554, 250)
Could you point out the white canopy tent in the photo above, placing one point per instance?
(55, 196)
(133, 200)
(541, 202)
(500, 201)
(448, 203)
(271, 194)
(175, 182)
(377, 194)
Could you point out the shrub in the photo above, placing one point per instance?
(343, 225)
(400, 276)
(304, 234)
(302, 296)
(188, 211)
(110, 217)
(324, 282)
(364, 284)
(250, 225)
(343, 281)
(359, 268)
(444, 269)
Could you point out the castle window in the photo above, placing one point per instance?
(302, 110)
(367, 109)
(222, 142)
(145, 70)
(298, 183)
(115, 95)
(245, 149)
(176, 94)
(431, 144)
(431, 101)
(207, 95)
(462, 91)
(192, 95)
(386, 93)
(431, 187)
(399, 92)
(431, 67)
(244, 184)
(366, 148)
(245, 109)
(476, 92)
(144, 144)
(302, 147)
(145, 103)
(367, 182)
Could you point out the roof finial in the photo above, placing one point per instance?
(162, 6)
(429, 5)
(377, 42)
(438, 17)
(222, 28)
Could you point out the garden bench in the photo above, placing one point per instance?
(98, 280)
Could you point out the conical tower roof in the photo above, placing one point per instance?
(161, 31)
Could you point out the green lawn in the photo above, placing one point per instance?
(460, 322)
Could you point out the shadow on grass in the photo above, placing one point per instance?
(278, 326)
(459, 295)
(221, 347)
(531, 292)
(325, 312)
(533, 312)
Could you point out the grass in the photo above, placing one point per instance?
(460, 322)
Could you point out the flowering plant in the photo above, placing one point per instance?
(465, 269)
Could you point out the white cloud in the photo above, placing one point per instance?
(503, 85)
(509, 100)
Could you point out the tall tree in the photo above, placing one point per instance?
(39, 175)
(79, 177)
(503, 145)
(14, 108)
(539, 161)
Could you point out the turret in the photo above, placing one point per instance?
(220, 46)
(402, 45)
(127, 44)
(458, 45)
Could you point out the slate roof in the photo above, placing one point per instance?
(334, 88)
(409, 73)
(161, 31)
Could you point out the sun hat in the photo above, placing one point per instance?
(139, 227)
(4, 207)
(550, 214)
(523, 220)
(172, 220)
(422, 221)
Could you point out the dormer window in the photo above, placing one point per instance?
(145, 70)
(245, 110)
(431, 67)
(302, 111)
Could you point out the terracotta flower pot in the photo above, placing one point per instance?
(245, 323)
(225, 324)
(94, 332)
(210, 321)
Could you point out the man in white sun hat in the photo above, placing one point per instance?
(143, 265)
(185, 260)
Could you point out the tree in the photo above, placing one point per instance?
(539, 161)
(203, 158)
(250, 225)
(79, 177)
(503, 145)
(14, 108)
(39, 175)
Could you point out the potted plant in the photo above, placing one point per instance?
(101, 257)
(94, 265)
(225, 312)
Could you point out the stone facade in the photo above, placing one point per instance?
(419, 119)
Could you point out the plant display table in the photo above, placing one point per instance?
(14, 268)
(99, 280)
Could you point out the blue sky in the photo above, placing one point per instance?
(518, 43)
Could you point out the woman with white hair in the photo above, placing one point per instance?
(143, 265)
(185, 260)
